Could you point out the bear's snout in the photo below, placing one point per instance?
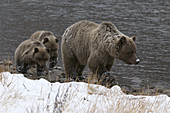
(137, 61)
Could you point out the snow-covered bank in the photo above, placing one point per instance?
(21, 95)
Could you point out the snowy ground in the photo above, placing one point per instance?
(21, 95)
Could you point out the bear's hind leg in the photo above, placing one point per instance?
(70, 67)
(79, 70)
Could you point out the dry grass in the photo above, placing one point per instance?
(6, 65)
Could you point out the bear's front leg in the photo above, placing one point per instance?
(97, 69)
(108, 79)
(53, 62)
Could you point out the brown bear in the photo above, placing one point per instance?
(50, 42)
(30, 53)
(95, 45)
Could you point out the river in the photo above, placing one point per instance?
(148, 20)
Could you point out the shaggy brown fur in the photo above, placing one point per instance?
(50, 42)
(96, 45)
(31, 53)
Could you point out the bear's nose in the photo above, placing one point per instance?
(137, 61)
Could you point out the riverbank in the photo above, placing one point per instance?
(58, 75)
(20, 94)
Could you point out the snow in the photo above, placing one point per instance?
(21, 95)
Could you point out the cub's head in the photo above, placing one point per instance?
(41, 55)
(126, 50)
(51, 43)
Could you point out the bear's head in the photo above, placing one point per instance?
(119, 45)
(50, 42)
(126, 50)
(41, 55)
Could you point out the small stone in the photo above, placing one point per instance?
(126, 90)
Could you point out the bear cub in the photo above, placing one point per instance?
(31, 53)
(50, 42)
(97, 46)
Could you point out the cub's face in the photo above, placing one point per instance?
(126, 50)
(41, 56)
(51, 43)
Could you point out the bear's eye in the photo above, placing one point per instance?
(38, 59)
(45, 59)
(56, 40)
(130, 53)
(45, 40)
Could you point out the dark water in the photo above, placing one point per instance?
(148, 20)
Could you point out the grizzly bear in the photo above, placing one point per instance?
(30, 53)
(50, 42)
(97, 46)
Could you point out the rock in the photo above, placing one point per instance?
(167, 92)
(55, 75)
(126, 89)
(159, 88)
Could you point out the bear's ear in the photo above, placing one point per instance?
(134, 38)
(56, 40)
(36, 50)
(45, 40)
(108, 26)
(122, 41)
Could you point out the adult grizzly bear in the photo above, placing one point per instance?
(96, 45)
(50, 42)
(30, 53)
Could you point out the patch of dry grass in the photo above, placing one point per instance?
(6, 65)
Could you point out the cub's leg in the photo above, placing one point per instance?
(53, 62)
(41, 70)
(22, 68)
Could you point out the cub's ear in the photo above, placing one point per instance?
(48, 50)
(56, 40)
(45, 40)
(36, 50)
(134, 38)
(44, 34)
(122, 41)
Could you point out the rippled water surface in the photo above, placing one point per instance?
(148, 20)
